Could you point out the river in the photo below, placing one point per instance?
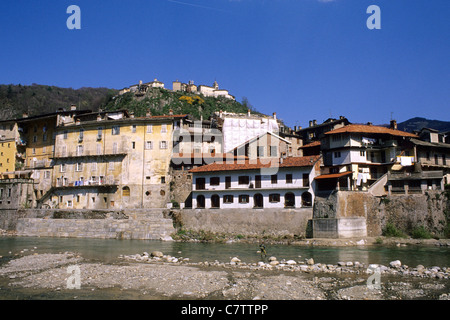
(108, 250)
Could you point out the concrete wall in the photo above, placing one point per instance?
(256, 222)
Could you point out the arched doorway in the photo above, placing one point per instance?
(306, 199)
(258, 201)
(215, 201)
(289, 200)
(200, 201)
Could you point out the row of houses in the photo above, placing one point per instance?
(112, 160)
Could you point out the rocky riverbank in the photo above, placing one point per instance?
(158, 276)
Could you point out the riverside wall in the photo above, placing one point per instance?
(253, 222)
(148, 224)
(363, 214)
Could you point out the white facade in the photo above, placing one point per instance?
(290, 187)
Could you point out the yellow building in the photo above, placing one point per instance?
(37, 140)
(107, 160)
(8, 148)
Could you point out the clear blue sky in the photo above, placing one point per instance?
(304, 59)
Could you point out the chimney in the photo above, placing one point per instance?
(274, 115)
(220, 113)
(314, 122)
(369, 123)
(310, 123)
(170, 112)
(25, 115)
(148, 114)
(78, 122)
(248, 112)
(393, 125)
(99, 117)
(131, 114)
(73, 107)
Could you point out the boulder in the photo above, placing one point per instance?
(395, 264)
(235, 260)
(291, 262)
(272, 259)
(310, 261)
(157, 254)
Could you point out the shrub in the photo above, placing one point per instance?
(420, 233)
(391, 231)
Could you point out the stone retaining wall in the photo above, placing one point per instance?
(150, 224)
(253, 222)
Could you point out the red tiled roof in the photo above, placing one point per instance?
(257, 164)
(361, 128)
(333, 175)
(312, 144)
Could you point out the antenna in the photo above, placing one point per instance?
(391, 114)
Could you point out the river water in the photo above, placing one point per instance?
(108, 250)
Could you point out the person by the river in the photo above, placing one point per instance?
(262, 249)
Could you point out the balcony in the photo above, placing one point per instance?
(91, 153)
(424, 175)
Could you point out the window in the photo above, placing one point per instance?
(44, 137)
(163, 128)
(99, 149)
(69, 203)
(227, 182)
(273, 151)
(65, 134)
(148, 145)
(289, 178)
(260, 151)
(228, 198)
(79, 166)
(115, 130)
(244, 180)
(274, 197)
(80, 150)
(34, 138)
(62, 168)
(94, 166)
(163, 179)
(149, 128)
(306, 180)
(81, 136)
(274, 179)
(244, 198)
(111, 165)
(133, 128)
(200, 184)
(214, 181)
(46, 174)
(133, 145)
(125, 191)
(114, 148)
(163, 144)
(362, 153)
(337, 154)
(99, 133)
(33, 150)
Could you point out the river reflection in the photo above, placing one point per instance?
(108, 250)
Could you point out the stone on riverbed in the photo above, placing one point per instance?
(157, 254)
(395, 264)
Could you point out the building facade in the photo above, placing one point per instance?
(255, 184)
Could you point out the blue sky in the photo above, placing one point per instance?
(304, 59)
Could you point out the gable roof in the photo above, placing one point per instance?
(361, 128)
(289, 162)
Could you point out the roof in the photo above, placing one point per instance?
(361, 128)
(333, 175)
(430, 144)
(311, 145)
(258, 164)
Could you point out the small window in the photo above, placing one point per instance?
(133, 128)
(125, 191)
(214, 181)
(163, 179)
(163, 144)
(362, 153)
(306, 180)
(244, 198)
(148, 145)
(243, 180)
(149, 128)
(228, 198)
(337, 154)
(115, 130)
(79, 166)
(65, 134)
(163, 128)
(274, 179)
(274, 197)
(289, 178)
(133, 145)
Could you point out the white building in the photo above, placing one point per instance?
(248, 184)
